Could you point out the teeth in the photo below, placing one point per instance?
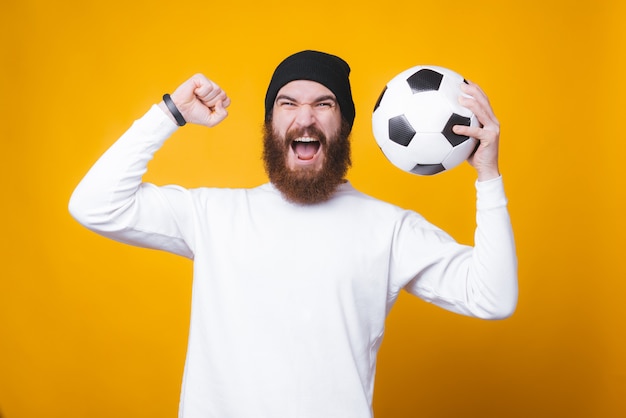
(305, 139)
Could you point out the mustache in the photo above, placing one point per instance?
(310, 131)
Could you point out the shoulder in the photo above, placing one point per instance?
(224, 197)
(373, 207)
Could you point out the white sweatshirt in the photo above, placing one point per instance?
(289, 302)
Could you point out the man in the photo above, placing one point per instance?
(293, 279)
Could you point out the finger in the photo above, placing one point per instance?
(202, 88)
(211, 97)
(206, 90)
(478, 103)
(481, 134)
(484, 114)
(474, 90)
(472, 131)
(220, 109)
(226, 101)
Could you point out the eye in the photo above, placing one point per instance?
(326, 104)
(286, 103)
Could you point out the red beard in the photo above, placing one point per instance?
(307, 186)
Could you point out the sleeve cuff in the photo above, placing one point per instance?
(490, 194)
(155, 122)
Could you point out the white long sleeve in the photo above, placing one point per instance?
(289, 302)
(113, 201)
(483, 282)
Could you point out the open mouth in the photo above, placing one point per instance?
(305, 148)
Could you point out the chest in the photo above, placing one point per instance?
(300, 255)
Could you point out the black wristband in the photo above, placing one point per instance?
(174, 110)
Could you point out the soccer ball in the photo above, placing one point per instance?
(413, 119)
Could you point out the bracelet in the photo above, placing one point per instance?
(180, 120)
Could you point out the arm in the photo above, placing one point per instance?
(112, 199)
(478, 281)
(481, 280)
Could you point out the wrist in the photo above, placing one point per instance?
(488, 174)
(167, 112)
(173, 110)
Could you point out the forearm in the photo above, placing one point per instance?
(494, 259)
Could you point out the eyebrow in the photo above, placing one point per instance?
(317, 100)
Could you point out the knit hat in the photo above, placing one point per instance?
(329, 70)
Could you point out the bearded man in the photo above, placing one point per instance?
(293, 279)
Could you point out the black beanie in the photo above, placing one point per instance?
(326, 69)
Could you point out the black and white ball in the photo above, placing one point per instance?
(413, 120)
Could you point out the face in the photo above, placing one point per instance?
(306, 146)
(303, 110)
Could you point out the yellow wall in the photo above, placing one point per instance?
(92, 328)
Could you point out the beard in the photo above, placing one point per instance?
(307, 186)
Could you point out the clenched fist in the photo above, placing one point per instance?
(200, 101)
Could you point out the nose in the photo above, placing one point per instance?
(305, 115)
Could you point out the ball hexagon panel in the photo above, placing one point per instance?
(429, 148)
(400, 130)
(425, 79)
(399, 156)
(428, 111)
(460, 153)
(427, 169)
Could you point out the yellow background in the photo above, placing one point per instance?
(93, 328)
